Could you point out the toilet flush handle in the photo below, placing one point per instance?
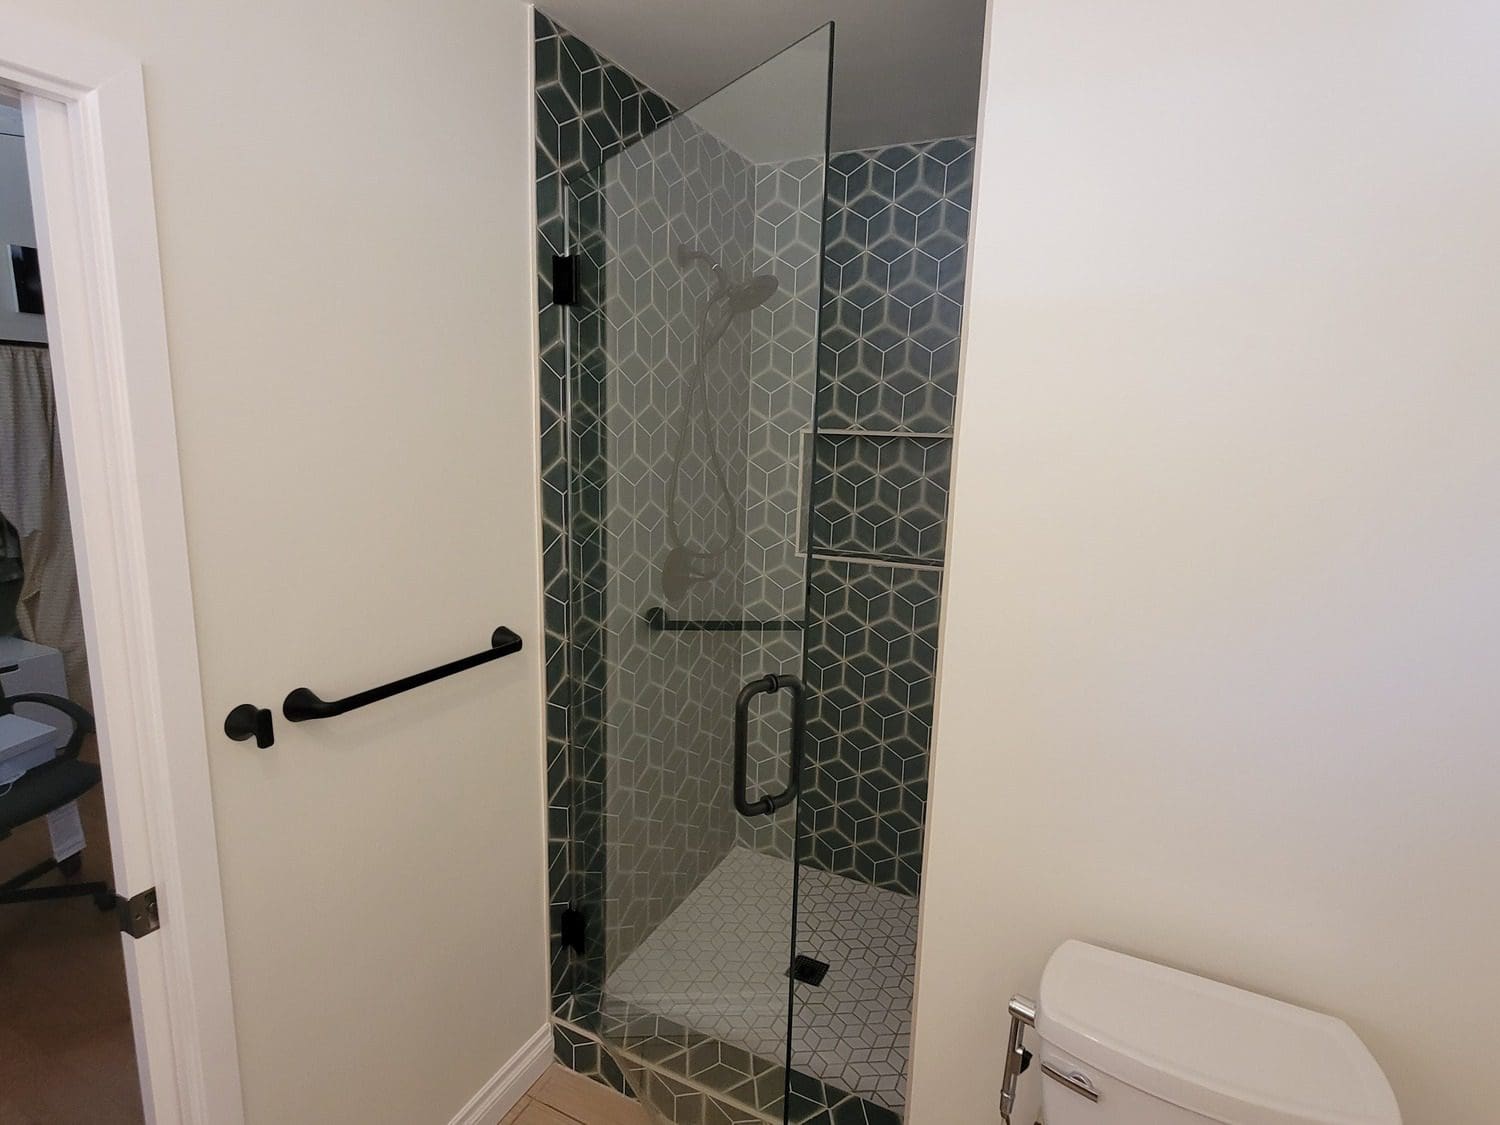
(1022, 1015)
(1078, 1082)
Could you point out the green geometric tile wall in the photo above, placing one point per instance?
(884, 497)
(586, 109)
(895, 236)
(896, 241)
(898, 225)
(895, 231)
(788, 239)
(871, 655)
(658, 457)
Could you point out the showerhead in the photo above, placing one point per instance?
(751, 294)
(739, 298)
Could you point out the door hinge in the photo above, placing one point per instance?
(573, 930)
(565, 279)
(138, 914)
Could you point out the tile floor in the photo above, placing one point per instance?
(561, 1097)
(717, 965)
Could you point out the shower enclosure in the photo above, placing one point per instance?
(693, 282)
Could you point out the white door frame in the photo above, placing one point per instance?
(86, 143)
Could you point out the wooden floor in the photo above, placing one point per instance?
(561, 1097)
(66, 1050)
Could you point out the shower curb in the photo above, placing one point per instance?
(811, 1095)
(629, 1061)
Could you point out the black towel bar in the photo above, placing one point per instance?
(302, 704)
(657, 620)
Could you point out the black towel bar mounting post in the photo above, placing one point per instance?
(249, 721)
(302, 704)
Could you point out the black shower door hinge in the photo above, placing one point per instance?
(565, 279)
(573, 930)
(138, 914)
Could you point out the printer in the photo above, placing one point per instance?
(25, 668)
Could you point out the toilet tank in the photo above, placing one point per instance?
(1129, 1042)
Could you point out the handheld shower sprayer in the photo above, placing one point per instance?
(685, 565)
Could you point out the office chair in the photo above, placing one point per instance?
(43, 789)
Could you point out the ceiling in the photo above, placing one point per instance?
(904, 70)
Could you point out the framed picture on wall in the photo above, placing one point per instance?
(26, 269)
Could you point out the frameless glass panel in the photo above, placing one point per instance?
(693, 371)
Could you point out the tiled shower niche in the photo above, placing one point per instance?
(877, 478)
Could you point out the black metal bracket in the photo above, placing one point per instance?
(25, 266)
(573, 930)
(303, 704)
(565, 279)
(139, 914)
(657, 621)
(249, 721)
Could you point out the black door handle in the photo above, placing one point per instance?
(766, 685)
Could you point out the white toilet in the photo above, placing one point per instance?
(1128, 1042)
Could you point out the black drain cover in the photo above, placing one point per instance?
(808, 970)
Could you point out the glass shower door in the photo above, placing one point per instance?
(693, 350)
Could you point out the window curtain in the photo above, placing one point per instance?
(34, 499)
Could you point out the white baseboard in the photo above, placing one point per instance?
(496, 1097)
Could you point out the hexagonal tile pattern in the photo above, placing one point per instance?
(586, 107)
(661, 460)
(579, 1051)
(717, 965)
(885, 497)
(783, 374)
(668, 1064)
(674, 445)
(897, 238)
(636, 741)
(896, 243)
(872, 652)
(661, 463)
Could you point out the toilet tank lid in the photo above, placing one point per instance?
(1228, 1054)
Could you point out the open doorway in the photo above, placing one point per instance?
(87, 156)
(66, 1043)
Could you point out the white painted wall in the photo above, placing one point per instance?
(344, 199)
(1222, 638)
(16, 227)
